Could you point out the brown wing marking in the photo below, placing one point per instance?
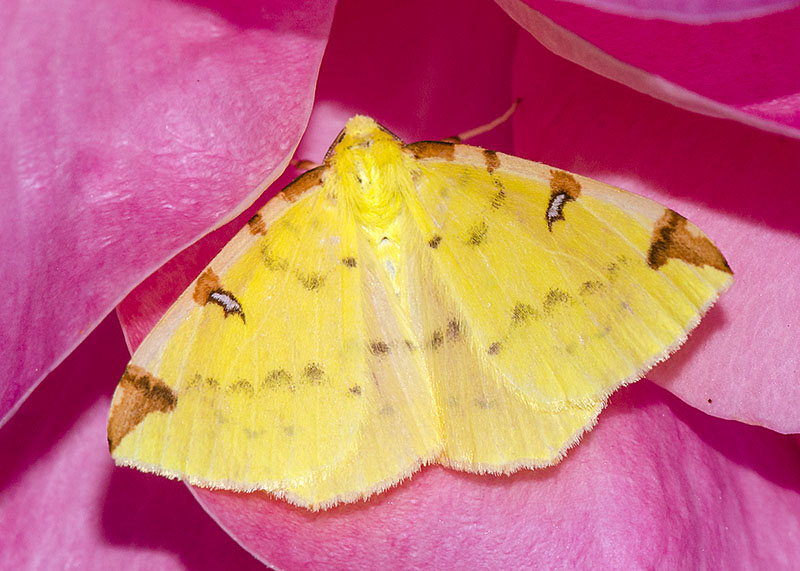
(563, 188)
(139, 393)
(492, 160)
(302, 183)
(432, 150)
(209, 290)
(256, 225)
(673, 237)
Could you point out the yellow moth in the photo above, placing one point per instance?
(410, 304)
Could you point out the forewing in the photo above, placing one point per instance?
(564, 288)
(268, 372)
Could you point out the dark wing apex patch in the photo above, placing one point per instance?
(209, 290)
(563, 188)
(139, 393)
(673, 238)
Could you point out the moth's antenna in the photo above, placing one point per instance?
(487, 127)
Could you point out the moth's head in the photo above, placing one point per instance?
(366, 165)
(362, 133)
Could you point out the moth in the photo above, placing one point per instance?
(407, 304)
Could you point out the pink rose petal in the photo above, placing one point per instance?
(656, 484)
(128, 131)
(738, 184)
(63, 504)
(672, 497)
(745, 70)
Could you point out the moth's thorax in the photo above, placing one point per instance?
(371, 174)
(372, 177)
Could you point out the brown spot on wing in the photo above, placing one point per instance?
(499, 198)
(313, 372)
(209, 290)
(521, 312)
(561, 181)
(139, 393)
(612, 269)
(302, 183)
(206, 283)
(494, 348)
(271, 261)
(278, 378)
(379, 348)
(205, 383)
(256, 225)
(589, 287)
(432, 150)
(350, 262)
(311, 281)
(477, 234)
(563, 188)
(241, 387)
(554, 298)
(492, 160)
(674, 237)
(437, 340)
(435, 241)
(483, 403)
(454, 329)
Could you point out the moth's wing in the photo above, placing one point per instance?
(560, 300)
(488, 425)
(269, 373)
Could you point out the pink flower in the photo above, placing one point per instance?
(130, 131)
